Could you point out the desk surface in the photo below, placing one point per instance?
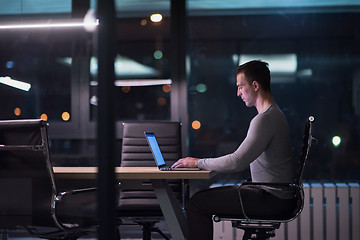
(131, 173)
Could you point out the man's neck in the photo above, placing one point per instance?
(264, 101)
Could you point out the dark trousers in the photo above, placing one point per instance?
(225, 201)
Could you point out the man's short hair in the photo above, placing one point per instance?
(256, 70)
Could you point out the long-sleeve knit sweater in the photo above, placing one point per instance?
(266, 149)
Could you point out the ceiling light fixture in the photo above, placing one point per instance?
(15, 83)
(156, 17)
(137, 82)
(73, 23)
(278, 63)
(142, 82)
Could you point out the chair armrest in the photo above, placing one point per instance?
(21, 147)
(270, 184)
(74, 191)
(76, 208)
(79, 191)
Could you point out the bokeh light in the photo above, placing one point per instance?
(161, 101)
(201, 88)
(156, 17)
(126, 89)
(336, 140)
(17, 111)
(143, 22)
(44, 117)
(196, 125)
(158, 54)
(166, 88)
(65, 116)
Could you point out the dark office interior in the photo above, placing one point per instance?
(312, 49)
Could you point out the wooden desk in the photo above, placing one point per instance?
(130, 173)
(174, 215)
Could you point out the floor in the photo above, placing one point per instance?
(127, 232)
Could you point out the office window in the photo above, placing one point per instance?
(16, 8)
(142, 64)
(314, 59)
(138, 102)
(39, 63)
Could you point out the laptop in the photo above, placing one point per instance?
(158, 156)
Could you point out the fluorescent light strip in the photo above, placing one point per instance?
(51, 25)
(142, 82)
(278, 63)
(137, 82)
(15, 83)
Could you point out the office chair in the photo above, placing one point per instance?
(264, 228)
(29, 198)
(137, 201)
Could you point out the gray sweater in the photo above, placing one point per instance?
(266, 149)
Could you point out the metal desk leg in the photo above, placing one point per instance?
(174, 215)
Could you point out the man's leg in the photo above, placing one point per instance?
(225, 201)
(204, 204)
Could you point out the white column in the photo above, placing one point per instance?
(344, 212)
(355, 210)
(305, 216)
(318, 211)
(330, 211)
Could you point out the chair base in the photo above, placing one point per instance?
(257, 231)
(258, 234)
(148, 228)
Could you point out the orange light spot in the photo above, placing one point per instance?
(166, 88)
(143, 22)
(196, 125)
(125, 89)
(44, 117)
(17, 111)
(161, 101)
(65, 116)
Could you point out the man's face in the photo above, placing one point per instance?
(245, 90)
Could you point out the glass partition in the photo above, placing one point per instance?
(314, 60)
(312, 48)
(143, 84)
(40, 64)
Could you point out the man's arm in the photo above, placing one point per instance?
(255, 143)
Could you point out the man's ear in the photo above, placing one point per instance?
(256, 85)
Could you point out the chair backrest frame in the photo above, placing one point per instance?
(135, 149)
(25, 160)
(136, 152)
(305, 148)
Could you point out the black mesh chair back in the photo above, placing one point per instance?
(26, 181)
(137, 198)
(29, 199)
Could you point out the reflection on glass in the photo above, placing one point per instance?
(17, 112)
(315, 71)
(40, 79)
(156, 17)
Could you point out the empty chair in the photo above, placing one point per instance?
(137, 202)
(29, 198)
(263, 227)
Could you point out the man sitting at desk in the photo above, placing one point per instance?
(266, 149)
